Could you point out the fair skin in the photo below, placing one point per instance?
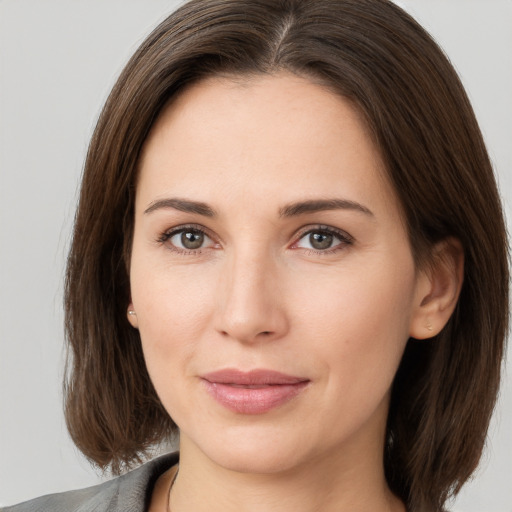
(267, 237)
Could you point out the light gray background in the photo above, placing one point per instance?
(58, 60)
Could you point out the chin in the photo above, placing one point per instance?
(252, 450)
(256, 461)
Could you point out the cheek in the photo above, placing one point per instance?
(173, 309)
(172, 316)
(358, 324)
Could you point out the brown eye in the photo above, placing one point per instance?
(324, 240)
(192, 239)
(188, 239)
(320, 240)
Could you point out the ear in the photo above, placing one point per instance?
(132, 316)
(437, 289)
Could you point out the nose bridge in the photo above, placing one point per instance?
(249, 308)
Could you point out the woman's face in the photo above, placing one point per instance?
(271, 274)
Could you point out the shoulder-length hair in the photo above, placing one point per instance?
(376, 56)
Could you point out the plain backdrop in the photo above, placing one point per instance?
(58, 60)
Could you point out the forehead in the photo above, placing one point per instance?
(264, 137)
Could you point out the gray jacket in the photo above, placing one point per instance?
(128, 493)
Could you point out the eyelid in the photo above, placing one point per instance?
(344, 237)
(167, 234)
(323, 227)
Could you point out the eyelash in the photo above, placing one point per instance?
(344, 238)
(167, 235)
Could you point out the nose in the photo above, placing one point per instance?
(250, 307)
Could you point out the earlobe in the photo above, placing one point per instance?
(132, 316)
(437, 289)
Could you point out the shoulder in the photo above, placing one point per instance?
(127, 493)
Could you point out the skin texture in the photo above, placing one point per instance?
(258, 295)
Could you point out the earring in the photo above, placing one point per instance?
(429, 325)
(131, 312)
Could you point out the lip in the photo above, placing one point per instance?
(254, 392)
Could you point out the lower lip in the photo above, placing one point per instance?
(253, 400)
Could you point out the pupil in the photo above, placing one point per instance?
(320, 240)
(192, 240)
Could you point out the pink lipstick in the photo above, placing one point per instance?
(254, 392)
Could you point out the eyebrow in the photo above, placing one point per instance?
(290, 210)
(183, 205)
(317, 205)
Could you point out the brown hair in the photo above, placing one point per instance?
(378, 57)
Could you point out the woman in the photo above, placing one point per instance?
(284, 338)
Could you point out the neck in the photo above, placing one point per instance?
(329, 483)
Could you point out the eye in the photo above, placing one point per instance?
(323, 240)
(187, 239)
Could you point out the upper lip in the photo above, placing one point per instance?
(252, 377)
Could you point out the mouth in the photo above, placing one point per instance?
(253, 392)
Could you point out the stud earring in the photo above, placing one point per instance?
(131, 312)
(429, 325)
